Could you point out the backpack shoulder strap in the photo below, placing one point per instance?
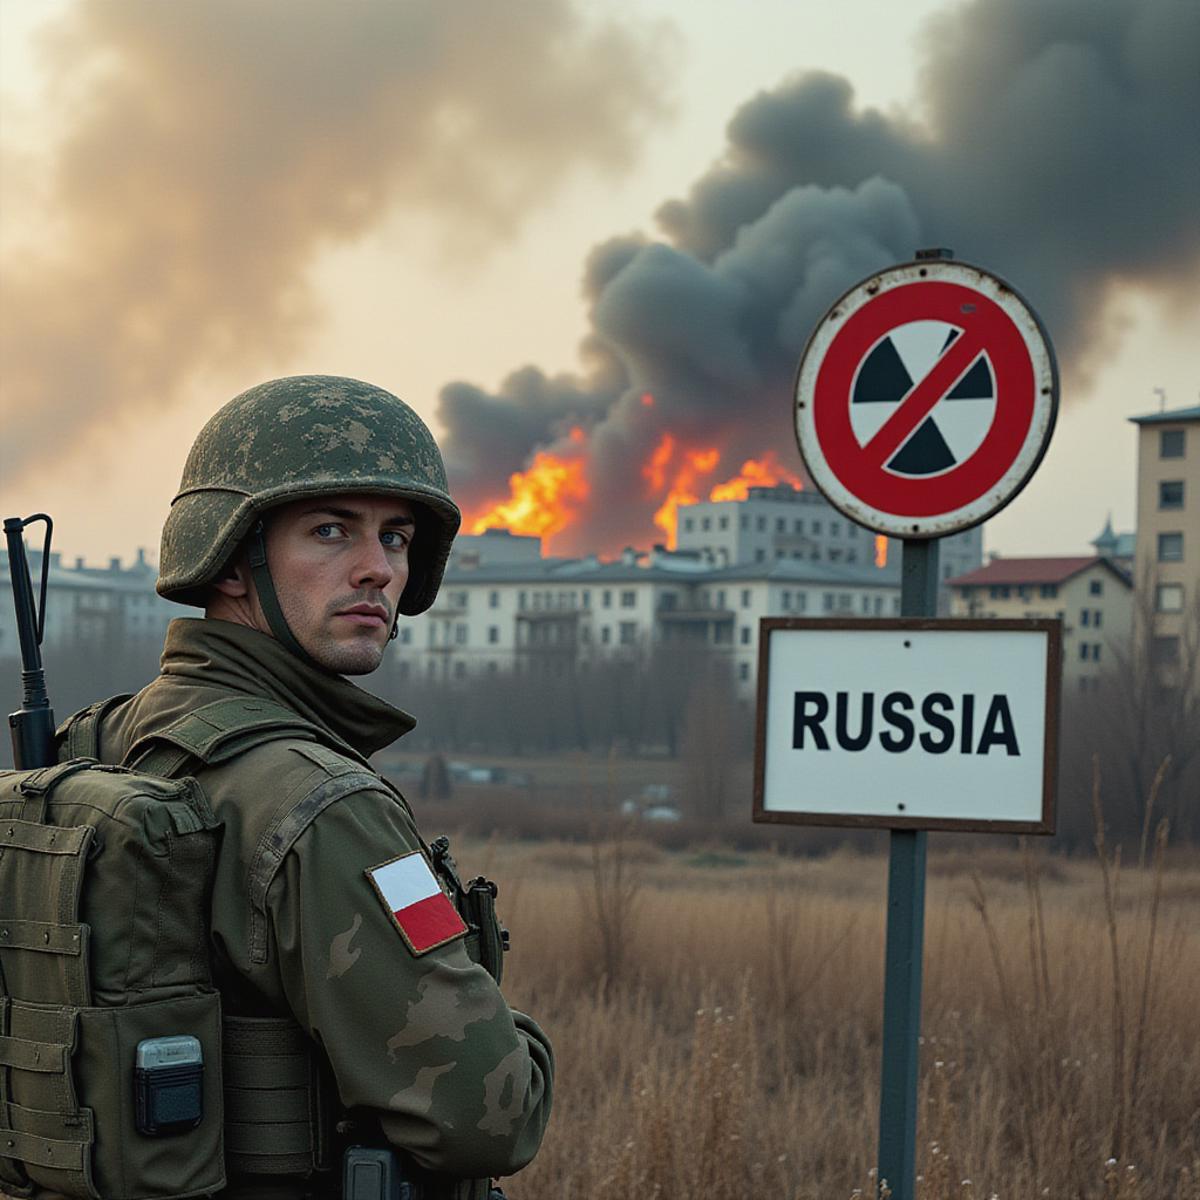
(221, 730)
(79, 735)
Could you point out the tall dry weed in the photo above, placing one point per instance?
(777, 1094)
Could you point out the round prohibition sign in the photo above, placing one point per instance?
(925, 399)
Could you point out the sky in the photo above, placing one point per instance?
(524, 219)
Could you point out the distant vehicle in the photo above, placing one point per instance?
(662, 812)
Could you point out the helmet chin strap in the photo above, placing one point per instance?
(269, 600)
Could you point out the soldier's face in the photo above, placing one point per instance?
(339, 564)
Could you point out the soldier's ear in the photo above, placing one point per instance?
(234, 580)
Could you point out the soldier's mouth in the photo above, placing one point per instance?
(370, 615)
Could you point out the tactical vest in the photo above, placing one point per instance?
(119, 1077)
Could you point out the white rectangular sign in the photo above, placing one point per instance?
(913, 722)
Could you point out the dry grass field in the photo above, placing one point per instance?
(717, 1019)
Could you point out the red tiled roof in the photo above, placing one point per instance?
(1027, 570)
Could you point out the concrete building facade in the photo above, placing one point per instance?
(1167, 563)
(783, 523)
(1090, 595)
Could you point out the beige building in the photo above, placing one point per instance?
(1090, 595)
(1167, 566)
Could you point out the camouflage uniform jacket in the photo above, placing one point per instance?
(426, 1043)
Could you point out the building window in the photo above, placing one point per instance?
(1096, 587)
(1096, 652)
(835, 528)
(493, 599)
(852, 556)
(845, 602)
(720, 597)
(460, 634)
(689, 524)
(1096, 615)
(745, 635)
(798, 525)
(878, 606)
(1165, 651)
(998, 591)
(827, 601)
(521, 601)
(1170, 547)
(706, 524)
(493, 634)
(460, 670)
(1084, 649)
(787, 601)
(605, 634)
(1168, 598)
(587, 597)
(780, 524)
(1023, 592)
(1048, 591)
(1170, 443)
(628, 633)
(761, 524)
(866, 604)
(760, 554)
(606, 598)
(745, 597)
(743, 671)
(1170, 494)
(628, 599)
(816, 527)
(723, 522)
(852, 529)
(1085, 617)
(745, 522)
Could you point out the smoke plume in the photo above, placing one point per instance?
(1050, 144)
(212, 150)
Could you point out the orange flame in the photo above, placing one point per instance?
(761, 472)
(647, 400)
(880, 550)
(683, 475)
(544, 499)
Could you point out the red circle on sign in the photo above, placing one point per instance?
(986, 329)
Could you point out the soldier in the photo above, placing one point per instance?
(312, 514)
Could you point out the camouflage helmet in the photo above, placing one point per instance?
(309, 435)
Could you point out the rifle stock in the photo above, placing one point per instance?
(32, 726)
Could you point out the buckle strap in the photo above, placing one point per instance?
(49, 1058)
(60, 1153)
(44, 936)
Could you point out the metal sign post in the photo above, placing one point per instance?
(924, 402)
(905, 936)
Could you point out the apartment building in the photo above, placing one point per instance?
(550, 614)
(783, 523)
(112, 606)
(1090, 595)
(1167, 562)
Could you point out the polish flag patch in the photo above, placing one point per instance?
(421, 910)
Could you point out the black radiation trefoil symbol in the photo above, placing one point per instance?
(960, 420)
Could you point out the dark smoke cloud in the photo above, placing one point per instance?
(213, 149)
(1052, 144)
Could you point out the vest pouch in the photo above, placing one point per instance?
(72, 1100)
(126, 1163)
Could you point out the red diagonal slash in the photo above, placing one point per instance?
(920, 402)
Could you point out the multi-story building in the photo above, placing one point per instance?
(111, 606)
(783, 523)
(1167, 565)
(1090, 595)
(550, 613)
